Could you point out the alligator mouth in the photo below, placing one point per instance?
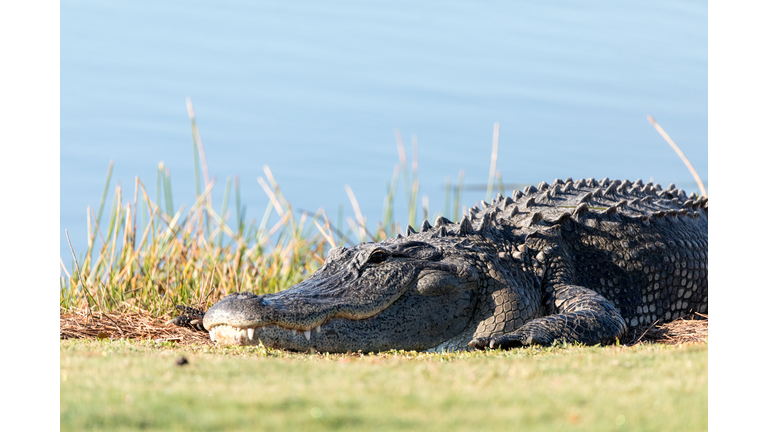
(295, 332)
(226, 334)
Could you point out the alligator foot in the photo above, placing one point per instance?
(585, 317)
(505, 341)
(192, 318)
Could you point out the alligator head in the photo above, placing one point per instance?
(397, 294)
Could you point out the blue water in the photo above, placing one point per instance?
(316, 91)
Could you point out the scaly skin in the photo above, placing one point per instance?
(575, 261)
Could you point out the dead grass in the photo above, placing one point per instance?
(131, 325)
(692, 329)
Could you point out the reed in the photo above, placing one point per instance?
(680, 153)
(193, 256)
(178, 260)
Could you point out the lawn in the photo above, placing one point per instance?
(137, 385)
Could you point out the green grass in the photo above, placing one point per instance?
(123, 385)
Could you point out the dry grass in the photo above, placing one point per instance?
(189, 257)
(691, 329)
(131, 325)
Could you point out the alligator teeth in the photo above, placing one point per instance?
(250, 333)
(318, 328)
(307, 334)
(294, 331)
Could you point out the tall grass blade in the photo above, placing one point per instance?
(168, 194)
(264, 221)
(457, 196)
(680, 154)
(113, 213)
(106, 189)
(447, 208)
(494, 154)
(328, 227)
(135, 211)
(90, 237)
(415, 187)
(201, 153)
(199, 142)
(160, 184)
(358, 213)
(240, 213)
(80, 276)
(117, 224)
(389, 200)
(403, 165)
(326, 236)
(272, 197)
(412, 203)
(196, 158)
(224, 205)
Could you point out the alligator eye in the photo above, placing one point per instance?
(377, 257)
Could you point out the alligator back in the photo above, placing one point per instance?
(651, 262)
(640, 247)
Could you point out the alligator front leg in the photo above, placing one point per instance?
(582, 316)
(192, 318)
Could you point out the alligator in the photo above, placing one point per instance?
(575, 261)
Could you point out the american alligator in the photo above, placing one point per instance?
(575, 261)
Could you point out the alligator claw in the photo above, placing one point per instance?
(505, 341)
(479, 343)
(192, 318)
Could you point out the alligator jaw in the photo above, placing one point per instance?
(277, 336)
(229, 335)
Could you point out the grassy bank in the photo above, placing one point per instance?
(122, 385)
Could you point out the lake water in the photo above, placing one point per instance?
(316, 91)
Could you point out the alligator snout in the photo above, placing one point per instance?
(250, 311)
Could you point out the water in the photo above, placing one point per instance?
(316, 91)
